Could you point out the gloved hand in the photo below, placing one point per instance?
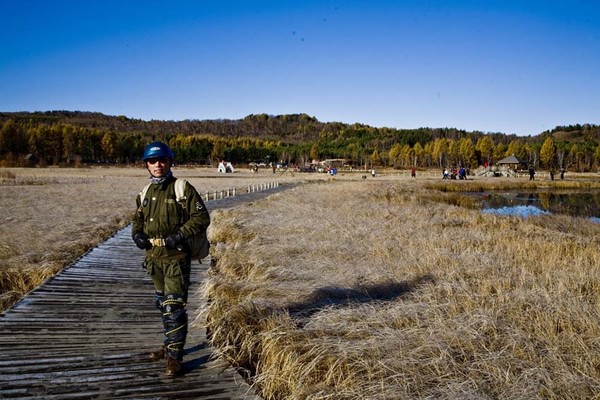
(141, 241)
(174, 241)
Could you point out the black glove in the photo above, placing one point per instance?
(175, 241)
(141, 241)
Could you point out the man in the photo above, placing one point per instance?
(161, 226)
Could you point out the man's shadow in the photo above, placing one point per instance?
(322, 298)
(338, 296)
(200, 359)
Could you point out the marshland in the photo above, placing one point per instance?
(350, 288)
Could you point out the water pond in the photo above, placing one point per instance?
(524, 204)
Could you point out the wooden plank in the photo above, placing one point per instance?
(86, 334)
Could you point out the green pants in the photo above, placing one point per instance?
(170, 276)
(171, 283)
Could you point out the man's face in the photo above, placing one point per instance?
(158, 167)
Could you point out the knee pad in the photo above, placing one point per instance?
(173, 309)
(172, 302)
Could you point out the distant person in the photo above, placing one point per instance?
(462, 173)
(373, 172)
(161, 228)
(413, 173)
(531, 173)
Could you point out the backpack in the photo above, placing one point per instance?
(198, 244)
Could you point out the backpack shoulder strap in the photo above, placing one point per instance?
(144, 190)
(143, 195)
(180, 191)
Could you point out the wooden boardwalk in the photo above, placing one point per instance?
(86, 333)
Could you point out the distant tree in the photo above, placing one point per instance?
(375, 159)
(429, 153)
(407, 155)
(547, 153)
(467, 153)
(454, 152)
(440, 152)
(13, 140)
(419, 155)
(499, 150)
(562, 149)
(576, 157)
(485, 147)
(218, 151)
(515, 147)
(314, 152)
(109, 145)
(597, 157)
(394, 154)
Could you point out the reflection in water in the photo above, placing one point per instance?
(578, 204)
(521, 211)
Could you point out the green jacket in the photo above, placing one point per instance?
(159, 215)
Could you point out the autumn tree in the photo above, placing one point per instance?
(454, 152)
(407, 155)
(467, 153)
(516, 148)
(394, 154)
(418, 155)
(375, 159)
(485, 147)
(547, 153)
(440, 151)
(562, 149)
(109, 145)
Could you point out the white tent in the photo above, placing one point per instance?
(225, 167)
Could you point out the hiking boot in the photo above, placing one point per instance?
(173, 367)
(160, 354)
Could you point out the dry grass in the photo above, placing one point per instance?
(481, 185)
(49, 217)
(370, 290)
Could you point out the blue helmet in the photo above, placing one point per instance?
(156, 150)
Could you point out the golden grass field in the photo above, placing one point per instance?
(351, 288)
(371, 290)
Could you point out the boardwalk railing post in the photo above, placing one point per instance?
(229, 192)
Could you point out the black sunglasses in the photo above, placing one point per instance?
(162, 160)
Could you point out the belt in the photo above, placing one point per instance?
(157, 242)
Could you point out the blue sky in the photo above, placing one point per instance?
(505, 66)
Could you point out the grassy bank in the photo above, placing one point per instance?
(370, 289)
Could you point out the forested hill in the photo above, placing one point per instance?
(291, 128)
(67, 137)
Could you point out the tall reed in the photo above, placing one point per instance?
(370, 290)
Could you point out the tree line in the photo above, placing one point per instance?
(75, 138)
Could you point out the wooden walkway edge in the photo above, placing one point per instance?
(86, 333)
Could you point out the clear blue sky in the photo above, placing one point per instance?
(495, 66)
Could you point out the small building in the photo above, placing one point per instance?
(511, 166)
(512, 162)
